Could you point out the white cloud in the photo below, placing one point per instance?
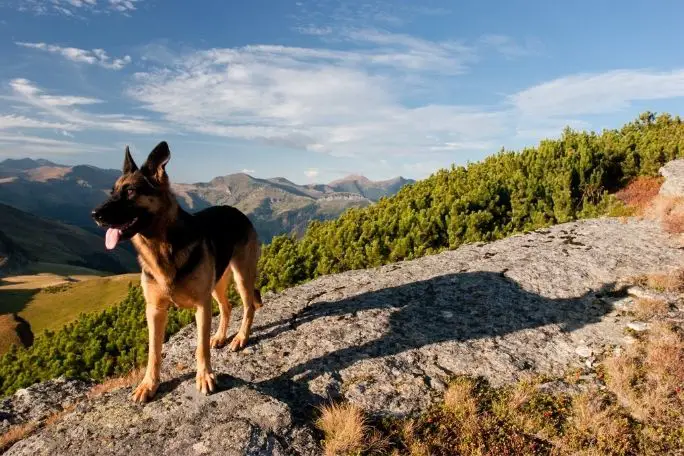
(122, 5)
(248, 171)
(465, 145)
(14, 145)
(311, 173)
(510, 48)
(350, 103)
(64, 109)
(391, 13)
(597, 93)
(319, 99)
(412, 53)
(314, 31)
(91, 57)
(73, 8)
(13, 121)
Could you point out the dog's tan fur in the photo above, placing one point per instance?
(161, 287)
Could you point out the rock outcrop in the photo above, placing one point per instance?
(388, 339)
(673, 172)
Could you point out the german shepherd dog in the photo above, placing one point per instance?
(185, 260)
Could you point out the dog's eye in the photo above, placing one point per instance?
(131, 193)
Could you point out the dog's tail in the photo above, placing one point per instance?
(257, 298)
(257, 293)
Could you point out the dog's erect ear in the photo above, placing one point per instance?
(129, 165)
(154, 167)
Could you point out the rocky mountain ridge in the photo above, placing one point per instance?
(276, 206)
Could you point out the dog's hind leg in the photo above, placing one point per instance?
(220, 338)
(244, 266)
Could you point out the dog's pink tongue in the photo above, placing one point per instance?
(112, 238)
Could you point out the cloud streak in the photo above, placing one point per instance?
(72, 8)
(64, 110)
(16, 145)
(323, 99)
(597, 93)
(97, 57)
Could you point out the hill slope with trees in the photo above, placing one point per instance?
(558, 181)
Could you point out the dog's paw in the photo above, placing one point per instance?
(145, 391)
(205, 381)
(218, 341)
(239, 342)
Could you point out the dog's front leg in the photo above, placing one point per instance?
(156, 313)
(206, 382)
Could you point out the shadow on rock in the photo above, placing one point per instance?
(454, 307)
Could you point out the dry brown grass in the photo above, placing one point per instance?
(344, 427)
(596, 424)
(669, 211)
(16, 433)
(131, 379)
(639, 194)
(637, 408)
(460, 399)
(672, 281)
(647, 379)
(55, 417)
(646, 309)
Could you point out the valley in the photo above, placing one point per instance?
(276, 206)
(53, 264)
(47, 296)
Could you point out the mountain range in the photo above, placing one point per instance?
(68, 193)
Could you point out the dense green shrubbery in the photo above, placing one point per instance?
(559, 181)
(94, 346)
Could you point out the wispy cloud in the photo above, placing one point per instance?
(123, 5)
(511, 48)
(412, 53)
(384, 13)
(16, 145)
(64, 110)
(72, 8)
(350, 104)
(597, 93)
(91, 57)
(16, 122)
(311, 173)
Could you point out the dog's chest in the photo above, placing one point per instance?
(176, 270)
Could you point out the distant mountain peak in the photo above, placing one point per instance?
(351, 178)
(27, 163)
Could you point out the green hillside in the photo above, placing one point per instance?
(49, 296)
(52, 307)
(50, 241)
(558, 181)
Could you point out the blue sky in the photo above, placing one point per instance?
(315, 90)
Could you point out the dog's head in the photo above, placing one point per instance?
(139, 198)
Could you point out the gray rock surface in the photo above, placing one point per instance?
(388, 339)
(673, 172)
(37, 402)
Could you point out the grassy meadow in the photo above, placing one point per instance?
(48, 296)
